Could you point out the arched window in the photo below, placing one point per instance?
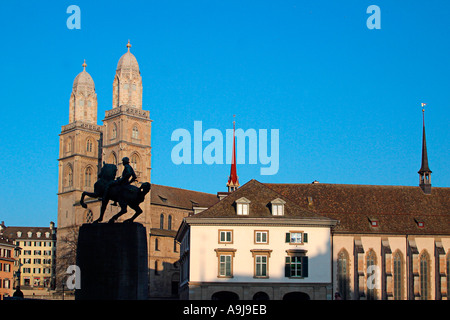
(424, 276)
(69, 145)
(88, 177)
(135, 134)
(343, 276)
(371, 262)
(69, 177)
(135, 162)
(89, 217)
(161, 221)
(112, 158)
(114, 131)
(89, 145)
(169, 223)
(398, 275)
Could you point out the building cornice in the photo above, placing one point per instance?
(262, 221)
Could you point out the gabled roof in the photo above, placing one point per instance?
(396, 208)
(260, 197)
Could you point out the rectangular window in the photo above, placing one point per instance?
(225, 265)
(296, 267)
(242, 209)
(260, 266)
(277, 209)
(225, 236)
(261, 237)
(296, 237)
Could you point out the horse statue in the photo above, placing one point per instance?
(106, 176)
(126, 196)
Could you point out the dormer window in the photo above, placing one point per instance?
(19, 234)
(243, 206)
(38, 234)
(29, 233)
(278, 207)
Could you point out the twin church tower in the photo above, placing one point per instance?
(85, 145)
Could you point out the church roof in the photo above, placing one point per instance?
(374, 209)
(181, 198)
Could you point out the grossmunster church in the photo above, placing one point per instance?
(263, 240)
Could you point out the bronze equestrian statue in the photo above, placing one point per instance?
(120, 191)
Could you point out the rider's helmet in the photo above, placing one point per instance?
(125, 160)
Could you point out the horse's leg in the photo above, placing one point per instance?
(123, 210)
(138, 212)
(102, 210)
(89, 194)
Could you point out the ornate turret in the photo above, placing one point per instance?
(127, 85)
(83, 99)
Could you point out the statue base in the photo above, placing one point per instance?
(113, 262)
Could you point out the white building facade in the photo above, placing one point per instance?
(254, 245)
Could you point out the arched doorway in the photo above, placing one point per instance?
(261, 296)
(296, 295)
(224, 295)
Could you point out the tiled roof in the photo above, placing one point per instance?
(11, 233)
(260, 197)
(398, 209)
(181, 198)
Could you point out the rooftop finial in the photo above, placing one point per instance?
(128, 45)
(84, 65)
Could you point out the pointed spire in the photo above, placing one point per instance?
(424, 172)
(233, 180)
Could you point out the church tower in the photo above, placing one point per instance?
(79, 144)
(127, 128)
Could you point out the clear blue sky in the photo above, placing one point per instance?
(346, 99)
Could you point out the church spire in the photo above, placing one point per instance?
(233, 180)
(424, 172)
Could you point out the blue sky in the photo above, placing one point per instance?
(346, 99)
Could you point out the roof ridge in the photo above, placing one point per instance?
(160, 185)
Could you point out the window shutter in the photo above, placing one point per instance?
(287, 267)
(305, 237)
(288, 237)
(304, 267)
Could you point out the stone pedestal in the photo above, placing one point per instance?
(113, 262)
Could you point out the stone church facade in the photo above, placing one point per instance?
(126, 132)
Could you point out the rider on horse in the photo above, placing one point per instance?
(127, 173)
